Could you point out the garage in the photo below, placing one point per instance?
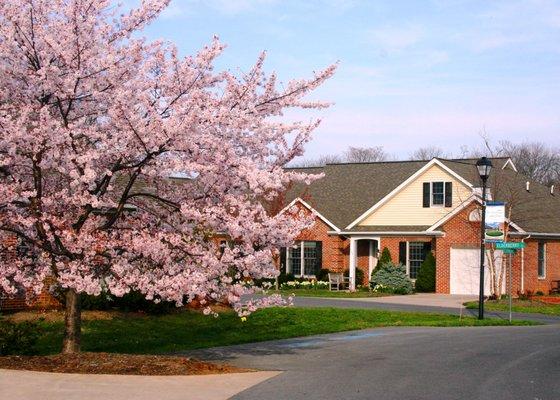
(465, 272)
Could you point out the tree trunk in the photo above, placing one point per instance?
(72, 323)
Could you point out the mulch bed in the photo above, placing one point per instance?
(115, 364)
(548, 299)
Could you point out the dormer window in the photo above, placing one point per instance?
(437, 194)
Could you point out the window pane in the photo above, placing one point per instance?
(310, 258)
(437, 193)
(295, 258)
(415, 257)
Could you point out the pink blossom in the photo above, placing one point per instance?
(93, 122)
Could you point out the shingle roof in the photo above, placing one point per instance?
(348, 190)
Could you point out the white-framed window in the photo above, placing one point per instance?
(416, 256)
(412, 255)
(304, 258)
(541, 266)
(438, 194)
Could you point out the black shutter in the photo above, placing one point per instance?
(319, 257)
(426, 195)
(427, 249)
(402, 253)
(448, 194)
(282, 260)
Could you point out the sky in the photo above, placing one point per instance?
(411, 73)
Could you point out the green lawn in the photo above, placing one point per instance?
(522, 306)
(189, 330)
(328, 293)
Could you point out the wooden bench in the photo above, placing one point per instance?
(338, 281)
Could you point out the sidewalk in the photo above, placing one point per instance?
(29, 385)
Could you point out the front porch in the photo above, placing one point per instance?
(363, 249)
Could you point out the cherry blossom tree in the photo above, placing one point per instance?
(95, 119)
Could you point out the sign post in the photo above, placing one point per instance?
(510, 248)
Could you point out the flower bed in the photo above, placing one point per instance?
(312, 284)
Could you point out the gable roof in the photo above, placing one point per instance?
(400, 187)
(348, 190)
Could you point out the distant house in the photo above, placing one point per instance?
(413, 207)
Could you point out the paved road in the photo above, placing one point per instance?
(378, 303)
(495, 363)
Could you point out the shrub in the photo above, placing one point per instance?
(539, 293)
(391, 278)
(359, 276)
(385, 257)
(133, 301)
(426, 278)
(322, 275)
(18, 338)
(283, 278)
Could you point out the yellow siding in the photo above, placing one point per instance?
(405, 208)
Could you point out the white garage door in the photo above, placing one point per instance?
(465, 271)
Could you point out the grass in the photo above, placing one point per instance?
(522, 306)
(328, 293)
(188, 330)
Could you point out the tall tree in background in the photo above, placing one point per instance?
(94, 120)
(352, 155)
(365, 154)
(427, 153)
(536, 160)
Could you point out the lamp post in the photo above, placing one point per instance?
(484, 166)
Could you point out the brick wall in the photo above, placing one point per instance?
(43, 301)
(532, 282)
(459, 232)
(334, 247)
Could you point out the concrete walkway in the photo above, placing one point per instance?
(29, 385)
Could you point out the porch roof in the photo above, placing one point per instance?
(388, 228)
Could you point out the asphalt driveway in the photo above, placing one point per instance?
(495, 363)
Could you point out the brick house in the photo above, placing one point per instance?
(413, 207)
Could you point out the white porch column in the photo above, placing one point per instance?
(371, 251)
(353, 262)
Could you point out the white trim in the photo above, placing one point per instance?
(456, 211)
(315, 212)
(359, 235)
(433, 162)
(510, 162)
(536, 234)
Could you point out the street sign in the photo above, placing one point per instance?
(510, 245)
(510, 251)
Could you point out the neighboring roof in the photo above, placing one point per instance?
(350, 189)
(536, 210)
